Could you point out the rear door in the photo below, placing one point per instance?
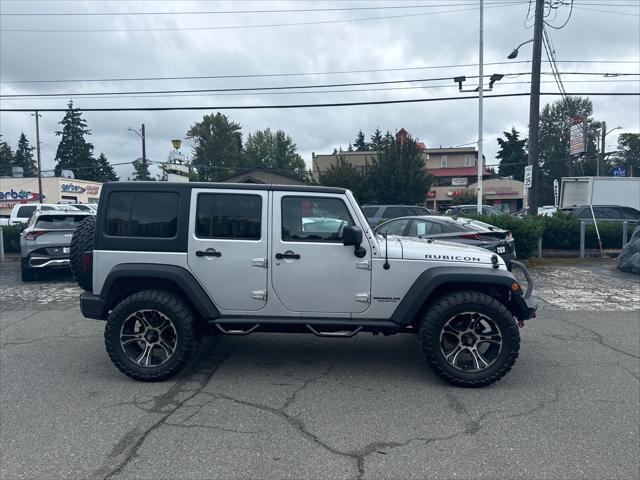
(312, 270)
(228, 246)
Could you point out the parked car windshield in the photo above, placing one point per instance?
(59, 222)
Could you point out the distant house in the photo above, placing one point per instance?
(263, 175)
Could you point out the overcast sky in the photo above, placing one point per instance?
(443, 33)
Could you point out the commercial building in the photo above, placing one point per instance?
(54, 190)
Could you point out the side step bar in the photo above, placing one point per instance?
(339, 333)
(237, 331)
(327, 328)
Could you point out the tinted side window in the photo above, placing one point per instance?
(606, 212)
(26, 212)
(394, 212)
(224, 215)
(629, 213)
(142, 214)
(369, 211)
(314, 219)
(420, 227)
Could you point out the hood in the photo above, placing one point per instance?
(436, 250)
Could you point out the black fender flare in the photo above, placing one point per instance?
(433, 278)
(181, 277)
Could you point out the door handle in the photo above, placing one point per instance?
(295, 256)
(209, 252)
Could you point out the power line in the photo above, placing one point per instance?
(309, 105)
(286, 87)
(626, 14)
(234, 27)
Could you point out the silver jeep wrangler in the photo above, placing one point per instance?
(163, 262)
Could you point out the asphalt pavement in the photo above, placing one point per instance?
(296, 406)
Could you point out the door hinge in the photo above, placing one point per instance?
(259, 262)
(364, 264)
(362, 297)
(259, 294)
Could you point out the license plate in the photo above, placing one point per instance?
(66, 249)
(499, 249)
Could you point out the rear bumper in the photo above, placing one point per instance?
(92, 306)
(44, 262)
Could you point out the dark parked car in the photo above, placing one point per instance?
(377, 214)
(457, 210)
(605, 213)
(461, 230)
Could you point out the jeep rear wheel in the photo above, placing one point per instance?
(81, 242)
(150, 335)
(469, 338)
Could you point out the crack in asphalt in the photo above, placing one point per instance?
(22, 319)
(131, 442)
(541, 405)
(599, 338)
(44, 339)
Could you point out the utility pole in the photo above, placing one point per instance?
(600, 157)
(534, 108)
(144, 147)
(480, 105)
(37, 115)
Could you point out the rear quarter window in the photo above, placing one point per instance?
(142, 214)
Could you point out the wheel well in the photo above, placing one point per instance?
(498, 292)
(126, 286)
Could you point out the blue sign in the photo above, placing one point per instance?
(619, 172)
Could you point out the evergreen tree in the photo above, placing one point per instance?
(141, 171)
(105, 172)
(276, 151)
(398, 175)
(360, 144)
(512, 155)
(377, 141)
(344, 175)
(6, 159)
(217, 150)
(350, 148)
(74, 152)
(24, 157)
(555, 160)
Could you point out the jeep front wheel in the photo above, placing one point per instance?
(150, 335)
(469, 338)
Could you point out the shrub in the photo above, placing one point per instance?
(561, 231)
(11, 237)
(526, 231)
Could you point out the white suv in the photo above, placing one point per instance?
(163, 262)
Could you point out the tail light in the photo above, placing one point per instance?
(87, 260)
(472, 236)
(33, 234)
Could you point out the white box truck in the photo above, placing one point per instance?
(577, 191)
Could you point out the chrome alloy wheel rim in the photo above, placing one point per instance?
(470, 341)
(148, 338)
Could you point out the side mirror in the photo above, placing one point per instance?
(353, 236)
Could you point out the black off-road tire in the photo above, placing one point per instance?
(26, 272)
(445, 308)
(82, 242)
(170, 305)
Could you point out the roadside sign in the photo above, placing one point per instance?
(528, 176)
(556, 192)
(619, 172)
(576, 136)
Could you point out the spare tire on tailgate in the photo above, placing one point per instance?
(82, 242)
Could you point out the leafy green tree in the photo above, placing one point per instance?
(629, 153)
(360, 144)
(342, 174)
(465, 199)
(24, 157)
(217, 150)
(74, 152)
(555, 160)
(276, 151)
(398, 175)
(512, 155)
(377, 141)
(141, 171)
(104, 170)
(6, 159)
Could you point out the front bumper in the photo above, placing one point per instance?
(92, 306)
(524, 304)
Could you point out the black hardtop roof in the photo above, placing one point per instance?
(173, 186)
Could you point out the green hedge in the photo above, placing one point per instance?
(526, 231)
(11, 237)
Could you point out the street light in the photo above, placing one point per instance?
(142, 136)
(602, 145)
(514, 53)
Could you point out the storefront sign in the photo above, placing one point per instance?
(459, 181)
(432, 194)
(71, 188)
(92, 189)
(19, 196)
(456, 193)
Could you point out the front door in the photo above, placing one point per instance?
(228, 246)
(312, 270)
